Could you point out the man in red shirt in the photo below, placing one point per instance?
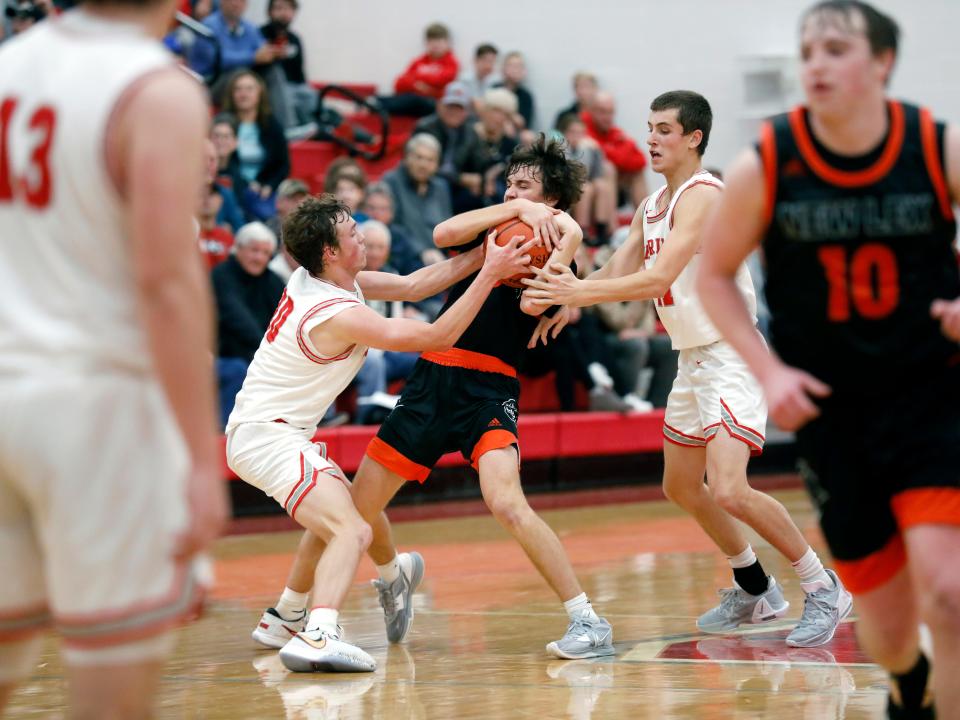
(618, 147)
(422, 83)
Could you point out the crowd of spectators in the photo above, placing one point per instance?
(467, 125)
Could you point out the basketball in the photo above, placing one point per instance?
(506, 231)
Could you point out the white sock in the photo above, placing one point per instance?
(577, 606)
(390, 571)
(291, 604)
(745, 559)
(811, 573)
(323, 618)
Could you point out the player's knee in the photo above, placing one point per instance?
(731, 497)
(678, 492)
(363, 534)
(941, 601)
(509, 512)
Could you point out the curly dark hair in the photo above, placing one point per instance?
(562, 176)
(311, 228)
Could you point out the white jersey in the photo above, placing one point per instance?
(288, 379)
(67, 290)
(680, 309)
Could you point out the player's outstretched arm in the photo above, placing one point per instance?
(155, 159)
(557, 285)
(731, 233)
(947, 310)
(362, 325)
(570, 238)
(423, 283)
(466, 226)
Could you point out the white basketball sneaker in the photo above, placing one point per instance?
(274, 631)
(322, 651)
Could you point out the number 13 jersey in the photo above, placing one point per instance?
(857, 248)
(67, 292)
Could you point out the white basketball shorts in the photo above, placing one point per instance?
(715, 390)
(279, 459)
(93, 474)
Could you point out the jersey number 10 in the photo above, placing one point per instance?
(36, 185)
(866, 278)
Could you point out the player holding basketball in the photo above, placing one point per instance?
(313, 348)
(466, 399)
(110, 478)
(715, 414)
(850, 198)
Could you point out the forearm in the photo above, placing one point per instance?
(729, 314)
(641, 285)
(432, 279)
(448, 328)
(466, 226)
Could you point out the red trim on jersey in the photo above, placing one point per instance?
(768, 157)
(455, 357)
(22, 623)
(311, 486)
(110, 161)
(927, 506)
(395, 462)
(305, 349)
(847, 178)
(492, 440)
(681, 444)
(740, 424)
(659, 215)
(711, 183)
(931, 158)
(876, 569)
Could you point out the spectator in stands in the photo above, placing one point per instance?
(618, 147)
(216, 234)
(514, 74)
(422, 199)
(296, 101)
(422, 83)
(379, 205)
(483, 76)
(584, 91)
(290, 193)
(247, 293)
(449, 126)
(261, 145)
(483, 160)
(597, 208)
(223, 133)
(23, 14)
(241, 44)
(348, 182)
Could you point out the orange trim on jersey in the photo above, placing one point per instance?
(848, 178)
(768, 157)
(305, 349)
(876, 569)
(455, 357)
(492, 440)
(927, 506)
(20, 624)
(394, 461)
(183, 602)
(711, 183)
(931, 158)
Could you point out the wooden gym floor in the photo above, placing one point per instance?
(476, 649)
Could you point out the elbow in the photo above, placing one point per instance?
(442, 235)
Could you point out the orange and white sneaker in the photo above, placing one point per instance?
(274, 631)
(322, 651)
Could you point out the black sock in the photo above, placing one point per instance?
(913, 683)
(752, 578)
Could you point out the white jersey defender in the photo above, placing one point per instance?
(92, 464)
(714, 388)
(288, 388)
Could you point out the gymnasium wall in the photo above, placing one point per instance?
(637, 48)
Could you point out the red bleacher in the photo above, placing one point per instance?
(543, 437)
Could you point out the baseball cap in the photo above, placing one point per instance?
(291, 187)
(456, 93)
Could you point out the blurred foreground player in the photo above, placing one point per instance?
(850, 197)
(110, 481)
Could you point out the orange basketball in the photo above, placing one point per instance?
(539, 255)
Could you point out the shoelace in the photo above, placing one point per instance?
(387, 600)
(814, 603)
(729, 597)
(582, 626)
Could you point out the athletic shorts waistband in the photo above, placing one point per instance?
(469, 360)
